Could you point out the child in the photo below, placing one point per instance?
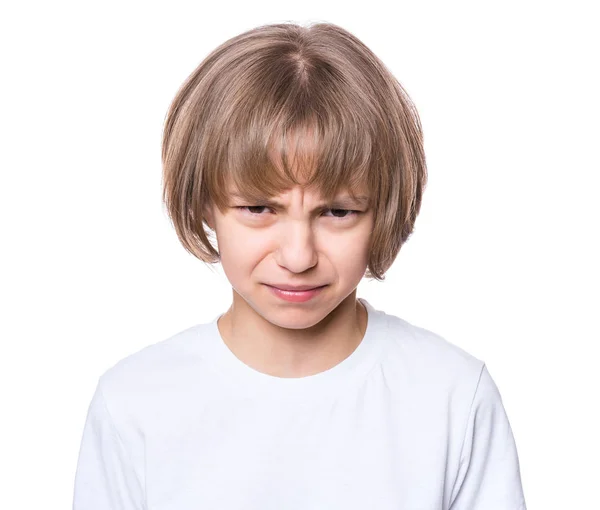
(304, 156)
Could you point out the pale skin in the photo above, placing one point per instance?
(301, 241)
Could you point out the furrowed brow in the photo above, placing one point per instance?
(343, 202)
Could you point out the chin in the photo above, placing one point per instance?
(294, 317)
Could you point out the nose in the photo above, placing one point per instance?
(297, 251)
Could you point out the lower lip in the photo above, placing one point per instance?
(296, 296)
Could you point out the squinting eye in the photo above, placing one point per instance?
(248, 207)
(351, 213)
(348, 213)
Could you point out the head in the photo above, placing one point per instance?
(309, 123)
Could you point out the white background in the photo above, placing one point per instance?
(503, 261)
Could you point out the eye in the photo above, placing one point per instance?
(345, 213)
(350, 214)
(249, 207)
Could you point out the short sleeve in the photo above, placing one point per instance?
(489, 474)
(105, 478)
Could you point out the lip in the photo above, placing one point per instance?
(296, 296)
(295, 288)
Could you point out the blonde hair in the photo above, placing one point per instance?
(232, 118)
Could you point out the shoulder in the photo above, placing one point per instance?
(428, 344)
(159, 369)
(426, 357)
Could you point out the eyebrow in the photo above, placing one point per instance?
(337, 203)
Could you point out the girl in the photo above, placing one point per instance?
(300, 152)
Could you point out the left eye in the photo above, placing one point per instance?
(350, 213)
(347, 213)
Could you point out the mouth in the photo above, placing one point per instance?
(289, 288)
(297, 296)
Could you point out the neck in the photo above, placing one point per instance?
(281, 351)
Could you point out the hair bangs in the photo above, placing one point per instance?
(266, 157)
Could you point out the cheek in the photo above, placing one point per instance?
(349, 255)
(241, 247)
(355, 242)
(352, 255)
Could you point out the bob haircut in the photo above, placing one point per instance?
(354, 126)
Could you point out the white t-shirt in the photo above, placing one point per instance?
(408, 421)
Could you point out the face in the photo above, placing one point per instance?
(297, 239)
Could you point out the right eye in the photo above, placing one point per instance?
(249, 208)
